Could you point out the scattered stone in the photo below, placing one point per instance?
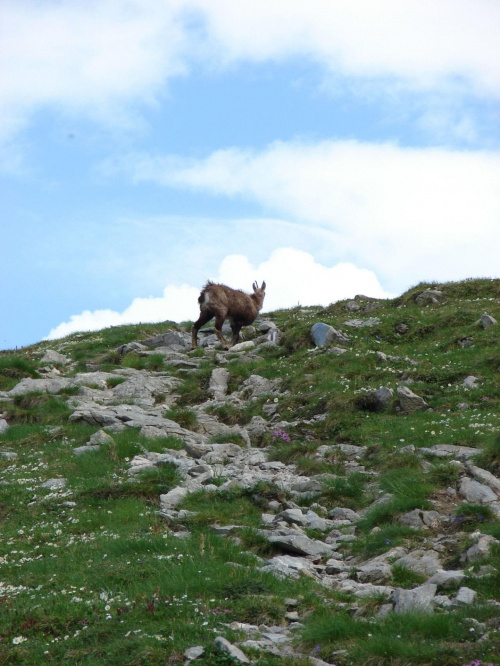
(446, 579)
(470, 382)
(352, 306)
(173, 498)
(362, 323)
(223, 645)
(100, 437)
(419, 519)
(284, 566)
(54, 484)
(8, 455)
(410, 402)
(52, 356)
(401, 328)
(421, 562)
(479, 550)
(218, 382)
(243, 346)
(487, 321)
(475, 492)
(462, 406)
(484, 476)
(429, 296)
(302, 545)
(419, 599)
(450, 451)
(193, 653)
(4, 426)
(82, 450)
(466, 596)
(340, 513)
(324, 335)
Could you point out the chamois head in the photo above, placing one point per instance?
(259, 293)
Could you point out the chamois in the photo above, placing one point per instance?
(221, 302)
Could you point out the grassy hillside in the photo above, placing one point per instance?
(91, 573)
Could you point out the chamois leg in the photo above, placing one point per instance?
(219, 321)
(203, 318)
(236, 328)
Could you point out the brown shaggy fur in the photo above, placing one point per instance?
(221, 302)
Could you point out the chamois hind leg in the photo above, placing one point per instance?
(203, 318)
(236, 328)
(219, 321)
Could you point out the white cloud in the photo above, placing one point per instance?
(292, 277)
(103, 58)
(419, 42)
(421, 213)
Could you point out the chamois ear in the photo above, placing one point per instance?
(263, 286)
(255, 285)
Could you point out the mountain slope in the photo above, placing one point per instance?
(326, 494)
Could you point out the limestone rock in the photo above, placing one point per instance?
(340, 513)
(324, 335)
(409, 401)
(421, 561)
(287, 566)
(379, 572)
(81, 450)
(100, 437)
(4, 426)
(475, 492)
(420, 519)
(450, 451)
(487, 321)
(466, 596)
(362, 323)
(446, 579)
(169, 339)
(429, 296)
(194, 652)
(302, 545)
(52, 356)
(223, 645)
(484, 476)
(470, 382)
(352, 306)
(56, 484)
(246, 345)
(419, 599)
(218, 382)
(173, 498)
(480, 549)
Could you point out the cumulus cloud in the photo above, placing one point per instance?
(292, 277)
(431, 212)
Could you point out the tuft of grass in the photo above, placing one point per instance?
(406, 578)
(112, 382)
(41, 408)
(186, 418)
(345, 490)
(489, 457)
(382, 540)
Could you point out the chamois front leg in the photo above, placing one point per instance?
(203, 318)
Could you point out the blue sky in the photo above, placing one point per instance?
(329, 147)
